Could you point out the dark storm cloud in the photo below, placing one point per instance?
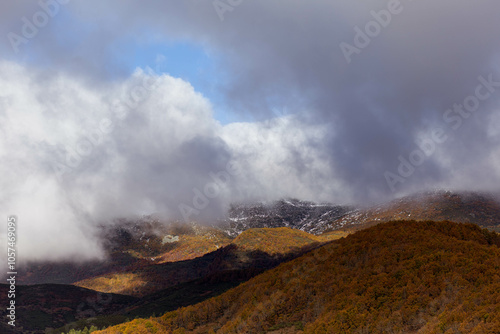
(428, 57)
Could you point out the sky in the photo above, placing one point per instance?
(179, 108)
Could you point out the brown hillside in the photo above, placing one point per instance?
(278, 240)
(397, 277)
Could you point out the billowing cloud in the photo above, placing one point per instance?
(75, 155)
(371, 89)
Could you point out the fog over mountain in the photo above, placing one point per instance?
(337, 101)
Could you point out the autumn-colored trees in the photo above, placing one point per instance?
(431, 277)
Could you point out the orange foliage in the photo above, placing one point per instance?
(396, 277)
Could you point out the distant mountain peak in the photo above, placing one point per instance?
(288, 212)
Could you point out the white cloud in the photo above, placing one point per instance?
(63, 172)
(285, 159)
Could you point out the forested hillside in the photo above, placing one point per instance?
(396, 277)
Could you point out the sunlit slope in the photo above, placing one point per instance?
(274, 240)
(254, 248)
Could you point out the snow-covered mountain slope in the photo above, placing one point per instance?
(466, 207)
(306, 216)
